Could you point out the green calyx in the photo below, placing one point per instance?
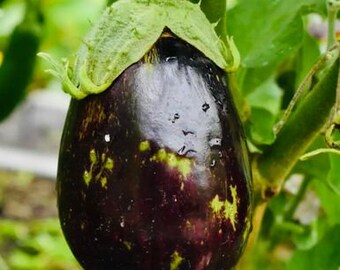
(127, 31)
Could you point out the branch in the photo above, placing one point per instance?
(273, 166)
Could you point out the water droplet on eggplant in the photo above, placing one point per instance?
(175, 118)
(181, 151)
(215, 142)
(187, 132)
(122, 223)
(205, 107)
(107, 138)
(219, 103)
(170, 58)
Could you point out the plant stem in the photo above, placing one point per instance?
(318, 152)
(301, 89)
(299, 132)
(247, 260)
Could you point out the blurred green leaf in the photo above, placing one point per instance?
(267, 31)
(333, 177)
(264, 31)
(110, 2)
(324, 255)
(37, 245)
(330, 201)
(277, 204)
(11, 14)
(308, 238)
(64, 36)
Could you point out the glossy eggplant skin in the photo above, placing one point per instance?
(153, 173)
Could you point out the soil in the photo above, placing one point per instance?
(26, 197)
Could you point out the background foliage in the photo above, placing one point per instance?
(279, 42)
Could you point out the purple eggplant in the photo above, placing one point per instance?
(153, 172)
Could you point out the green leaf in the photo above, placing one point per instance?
(325, 255)
(308, 238)
(214, 9)
(251, 78)
(307, 57)
(260, 126)
(277, 204)
(267, 96)
(330, 201)
(267, 31)
(333, 177)
(265, 102)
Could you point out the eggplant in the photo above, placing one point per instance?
(17, 69)
(153, 172)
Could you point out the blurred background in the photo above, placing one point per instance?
(30, 237)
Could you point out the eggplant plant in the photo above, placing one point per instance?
(154, 170)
